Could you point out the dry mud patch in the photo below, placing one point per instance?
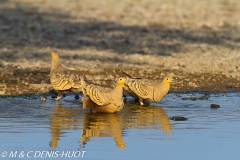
(197, 44)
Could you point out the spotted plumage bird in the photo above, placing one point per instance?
(145, 89)
(63, 79)
(99, 99)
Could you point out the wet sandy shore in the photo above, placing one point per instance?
(197, 44)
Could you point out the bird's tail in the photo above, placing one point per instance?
(124, 74)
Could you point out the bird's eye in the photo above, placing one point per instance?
(167, 79)
(120, 79)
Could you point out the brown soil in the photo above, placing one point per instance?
(195, 41)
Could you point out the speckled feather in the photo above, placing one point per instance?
(150, 90)
(99, 99)
(62, 78)
(143, 88)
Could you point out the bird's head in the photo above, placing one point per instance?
(167, 80)
(121, 81)
(54, 56)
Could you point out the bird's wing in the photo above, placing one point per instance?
(64, 79)
(141, 87)
(98, 95)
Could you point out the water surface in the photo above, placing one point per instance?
(62, 129)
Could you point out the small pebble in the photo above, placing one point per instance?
(42, 99)
(190, 98)
(76, 97)
(178, 118)
(205, 97)
(214, 106)
(178, 95)
(54, 96)
(224, 95)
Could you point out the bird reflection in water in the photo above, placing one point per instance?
(63, 118)
(138, 116)
(93, 124)
(102, 125)
(132, 116)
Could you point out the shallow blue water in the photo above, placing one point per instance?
(52, 130)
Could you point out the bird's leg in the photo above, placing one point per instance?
(59, 96)
(140, 101)
(124, 97)
(81, 101)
